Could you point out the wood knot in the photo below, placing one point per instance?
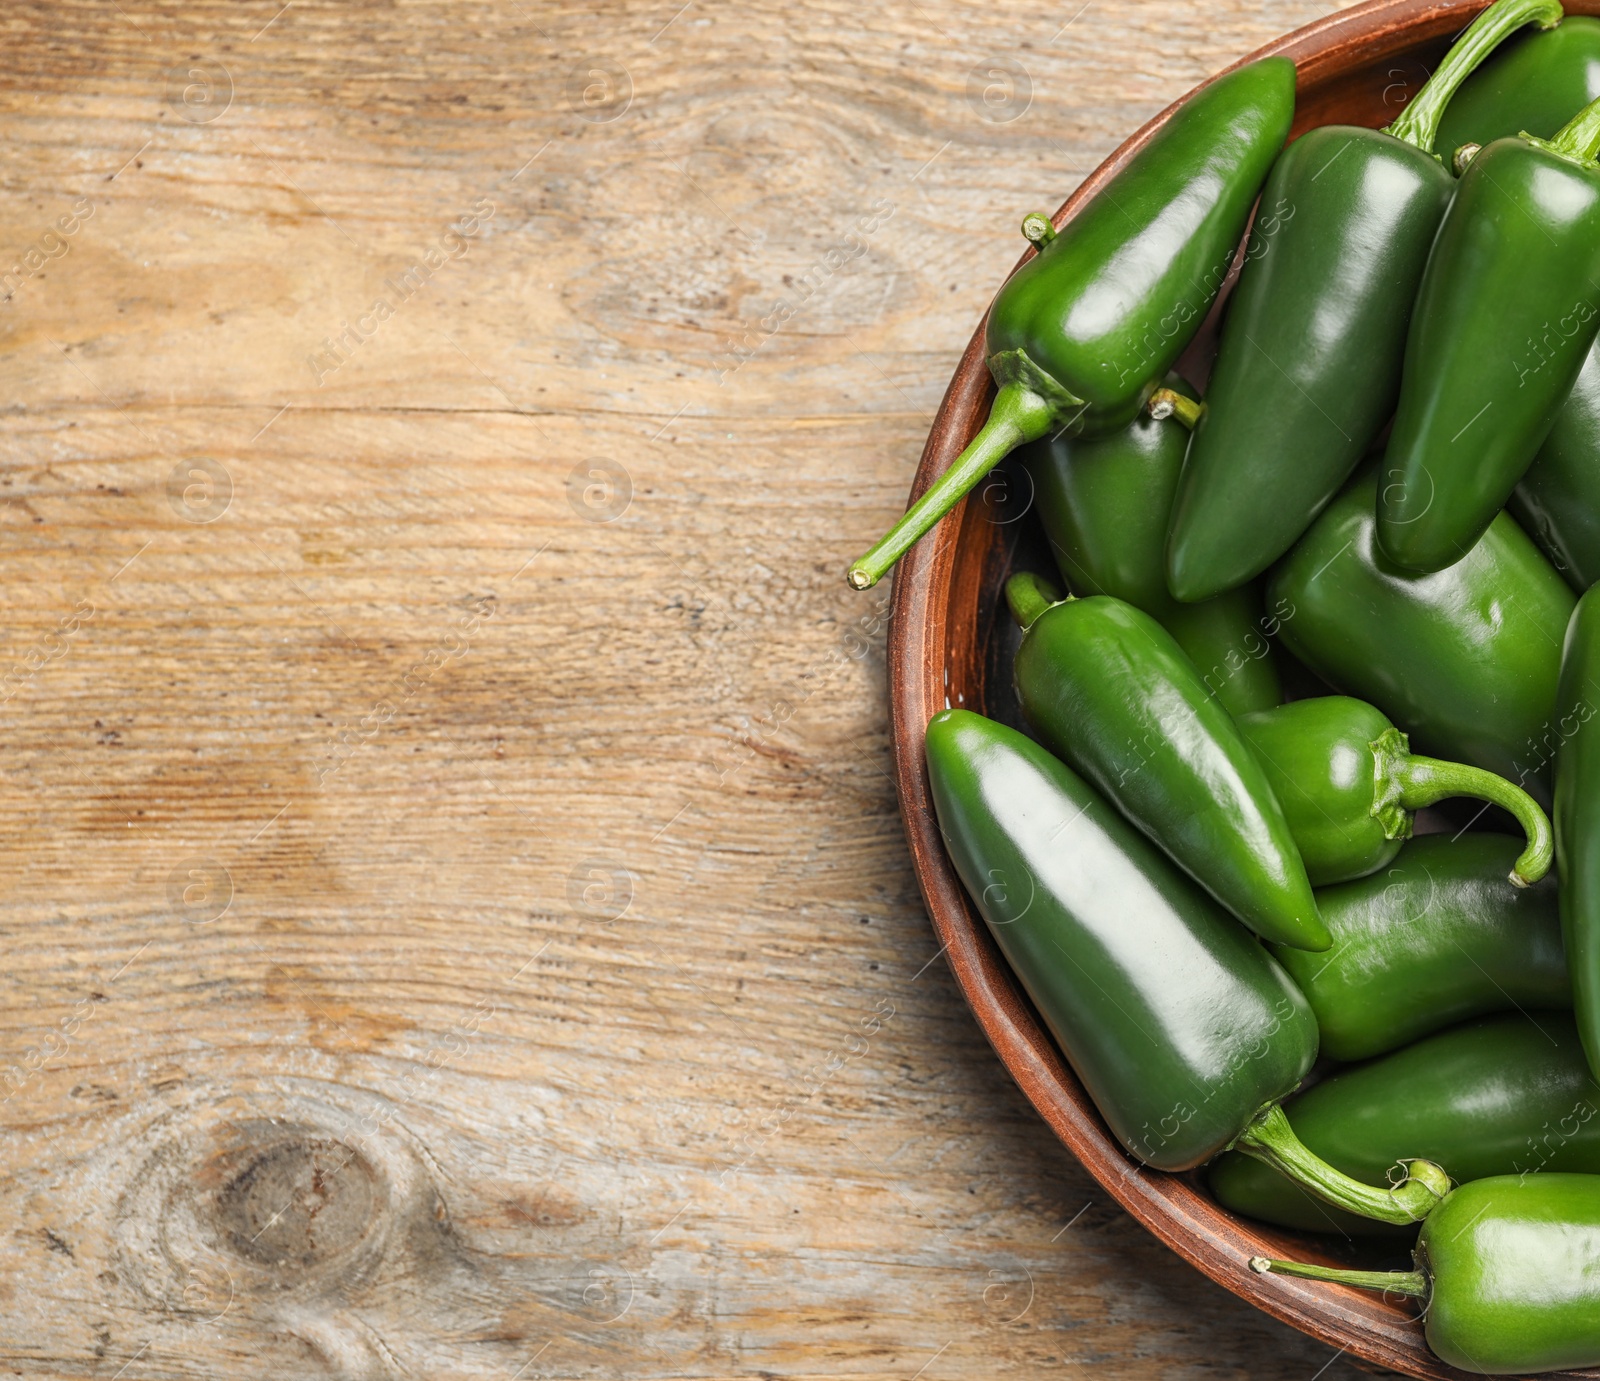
(282, 1195)
(303, 1223)
(298, 1202)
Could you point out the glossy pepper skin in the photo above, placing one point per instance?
(1507, 1096)
(1577, 816)
(1535, 83)
(1184, 1031)
(1464, 660)
(1506, 1266)
(1308, 366)
(1350, 786)
(1507, 311)
(1435, 938)
(1079, 336)
(1103, 503)
(1558, 500)
(1156, 997)
(1113, 694)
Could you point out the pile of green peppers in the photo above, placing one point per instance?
(1299, 858)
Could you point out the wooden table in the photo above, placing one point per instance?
(457, 922)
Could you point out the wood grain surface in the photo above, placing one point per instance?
(457, 920)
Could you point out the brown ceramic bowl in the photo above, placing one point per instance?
(949, 643)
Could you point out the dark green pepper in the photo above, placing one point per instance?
(1578, 816)
(1229, 640)
(1103, 502)
(1511, 1095)
(1558, 500)
(1079, 335)
(1184, 1031)
(1437, 937)
(1507, 311)
(1534, 83)
(1507, 1269)
(1308, 366)
(1464, 660)
(1113, 694)
(1349, 787)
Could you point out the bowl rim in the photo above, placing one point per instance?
(920, 649)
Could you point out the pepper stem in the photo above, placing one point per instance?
(1406, 783)
(1579, 138)
(1418, 123)
(1168, 402)
(1270, 1139)
(1038, 229)
(1412, 1284)
(1029, 595)
(1019, 414)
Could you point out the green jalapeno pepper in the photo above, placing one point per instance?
(1184, 1030)
(1103, 503)
(1113, 694)
(1308, 366)
(1509, 1095)
(1577, 815)
(1534, 83)
(1078, 336)
(1350, 786)
(1435, 938)
(1507, 311)
(1558, 500)
(1464, 660)
(1506, 1267)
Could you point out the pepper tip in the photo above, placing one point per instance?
(859, 579)
(1260, 1265)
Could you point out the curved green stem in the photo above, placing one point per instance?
(1579, 138)
(1418, 123)
(1406, 783)
(1168, 402)
(1019, 414)
(1270, 1139)
(1413, 1284)
(1029, 595)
